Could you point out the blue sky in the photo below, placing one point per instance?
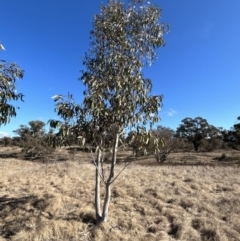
(198, 71)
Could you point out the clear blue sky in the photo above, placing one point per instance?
(198, 71)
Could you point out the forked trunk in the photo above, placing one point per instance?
(109, 181)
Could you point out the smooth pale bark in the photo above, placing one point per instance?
(110, 180)
(97, 188)
(106, 202)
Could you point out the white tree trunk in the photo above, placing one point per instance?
(97, 188)
(109, 181)
(106, 202)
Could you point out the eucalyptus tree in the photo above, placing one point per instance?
(237, 131)
(32, 139)
(233, 136)
(9, 73)
(117, 98)
(195, 130)
(167, 135)
(34, 130)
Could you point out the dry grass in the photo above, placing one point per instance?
(170, 202)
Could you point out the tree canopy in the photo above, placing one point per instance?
(124, 39)
(195, 130)
(9, 73)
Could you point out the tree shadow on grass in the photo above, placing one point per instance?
(79, 149)
(87, 218)
(234, 163)
(13, 202)
(9, 155)
(15, 212)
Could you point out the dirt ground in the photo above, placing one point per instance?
(191, 197)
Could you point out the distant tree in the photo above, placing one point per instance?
(231, 138)
(167, 136)
(16, 141)
(237, 131)
(9, 73)
(234, 136)
(35, 129)
(6, 141)
(211, 144)
(134, 140)
(213, 141)
(226, 137)
(195, 130)
(162, 142)
(33, 140)
(123, 40)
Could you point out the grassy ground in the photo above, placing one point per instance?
(193, 197)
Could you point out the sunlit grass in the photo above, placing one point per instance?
(54, 201)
